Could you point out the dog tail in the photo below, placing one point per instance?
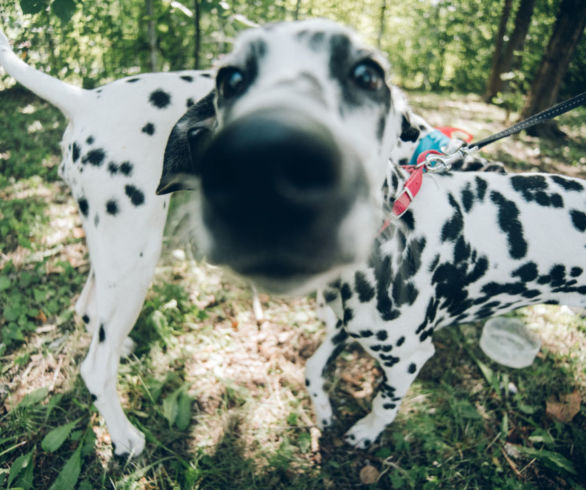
(62, 95)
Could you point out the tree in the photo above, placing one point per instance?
(197, 24)
(503, 58)
(381, 26)
(495, 72)
(568, 28)
(152, 34)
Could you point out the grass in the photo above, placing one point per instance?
(221, 399)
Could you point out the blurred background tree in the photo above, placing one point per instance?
(502, 49)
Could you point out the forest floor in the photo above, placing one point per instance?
(221, 399)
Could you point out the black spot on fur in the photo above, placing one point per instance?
(453, 227)
(408, 219)
(348, 315)
(136, 196)
(126, 168)
(508, 219)
(307, 383)
(567, 184)
(93, 397)
(578, 219)
(101, 334)
(96, 220)
(90, 140)
(408, 132)
(94, 157)
(346, 291)
(189, 102)
(160, 99)
(363, 287)
(132, 80)
(467, 198)
(187, 78)
(401, 341)
(576, 271)
(366, 333)
(533, 188)
(148, 128)
(83, 206)
(85, 318)
(330, 295)
(527, 272)
(481, 187)
(381, 335)
(76, 152)
(412, 368)
(112, 207)
(113, 168)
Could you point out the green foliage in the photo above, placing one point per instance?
(31, 291)
(432, 45)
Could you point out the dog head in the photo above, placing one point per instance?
(288, 154)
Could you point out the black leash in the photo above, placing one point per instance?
(538, 118)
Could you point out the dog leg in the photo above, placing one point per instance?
(398, 374)
(318, 363)
(85, 307)
(121, 283)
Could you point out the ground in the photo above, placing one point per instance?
(222, 399)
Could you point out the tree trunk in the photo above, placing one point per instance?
(512, 55)
(495, 72)
(152, 34)
(297, 7)
(568, 28)
(381, 29)
(197, 24)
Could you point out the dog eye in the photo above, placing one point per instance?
(231, 82)
(368, 75)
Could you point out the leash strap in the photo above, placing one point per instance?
(538, 118)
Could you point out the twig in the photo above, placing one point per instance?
(511, 464)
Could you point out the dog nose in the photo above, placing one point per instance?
(271, 171)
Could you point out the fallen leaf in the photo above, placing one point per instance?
(564, 410)
(369, 474)
(42, 317)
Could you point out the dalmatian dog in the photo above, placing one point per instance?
(112, 158)
(287, 162)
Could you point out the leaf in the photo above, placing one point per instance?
(64, 9)
(34, 397)
(19, 464)
(33, 6)
(552, 459)
(54, 439)
(564, 410)
(69, 474)
(171, 407)
(183, 411)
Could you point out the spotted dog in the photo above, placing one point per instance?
(112, 159)
(289, 153)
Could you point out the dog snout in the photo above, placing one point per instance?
(271, 167)
(276, 186)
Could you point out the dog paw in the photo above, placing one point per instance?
(362, 434)
(130, 444)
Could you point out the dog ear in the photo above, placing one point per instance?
(185, 146)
